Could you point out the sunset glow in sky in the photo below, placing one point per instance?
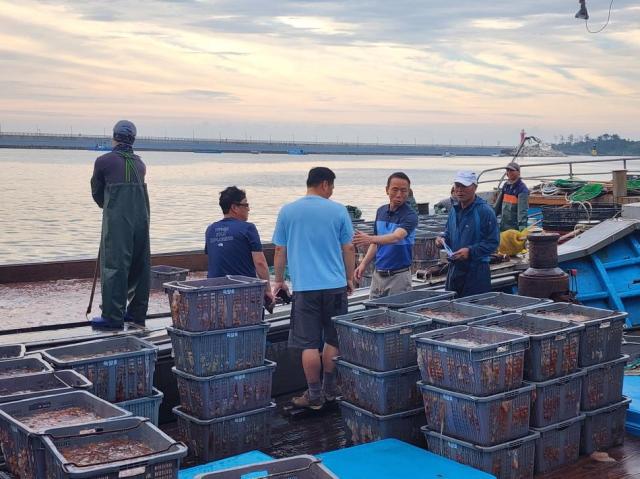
(355, 70)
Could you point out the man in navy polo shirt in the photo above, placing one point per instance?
(392, 241)
(233, 244)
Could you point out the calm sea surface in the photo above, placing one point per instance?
(47, 213)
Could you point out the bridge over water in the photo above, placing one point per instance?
(202, 145)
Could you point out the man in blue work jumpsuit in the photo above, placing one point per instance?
(472, 235)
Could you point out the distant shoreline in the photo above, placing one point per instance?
(195, 145)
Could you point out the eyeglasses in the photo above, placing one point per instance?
(246, 205)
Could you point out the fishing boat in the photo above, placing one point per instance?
(50, 299)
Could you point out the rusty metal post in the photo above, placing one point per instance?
(619, 184)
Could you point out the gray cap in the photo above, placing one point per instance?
(124, 132)
(513, 166)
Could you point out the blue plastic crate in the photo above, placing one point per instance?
(20, 437)
(553, 344)
(379, 339)
(148, 407)
(450, 313)
(120, 368)
(162, 463)
(556, 400)
(216, 303)
(471, 359)
(511, 460)
(558, 444)
(604, 428)
(161, 274)
(214, 352)
(211, 439)
(408, 299)
(601, 339)
(381, 393)
(485, 421)
(40, 384)
(225, 394)
(363, 426)
(21, 366)
(12, 351)
(507, 303)
(602, 384)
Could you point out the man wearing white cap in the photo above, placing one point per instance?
(472, 236)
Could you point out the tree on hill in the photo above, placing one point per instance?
(605, 144)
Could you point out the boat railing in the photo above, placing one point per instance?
(570, 172)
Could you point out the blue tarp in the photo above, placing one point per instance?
(631, 389)
(245, 459)
(392, 459)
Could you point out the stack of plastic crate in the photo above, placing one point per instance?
(120, 369)
(224, 382)
(602, 365)
(476, 406)
(377, 373)
(24, 423)
(551, 367)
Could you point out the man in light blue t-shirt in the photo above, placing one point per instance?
(313, 234)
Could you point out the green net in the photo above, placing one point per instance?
(633, 184)
(569, 184)
(587, 192)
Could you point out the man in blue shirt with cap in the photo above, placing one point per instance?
(472, 237)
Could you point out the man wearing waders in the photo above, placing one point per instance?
(118, 187)
(471, 236)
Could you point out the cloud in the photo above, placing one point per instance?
(320, 62)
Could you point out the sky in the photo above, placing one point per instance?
(401, 71)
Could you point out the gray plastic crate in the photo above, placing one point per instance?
(148, 407)
(379, 392)
(379, 339)
(214, 352)
(471, 359)
(22, 366)
(225, 394)
(450, 313)
(602, 384)
(363, 426)
(558, 444)
(604, 428)
(408, 299)
(485, 421)
(161, 274)
(510, 460)
(296, 467)
(21, 443)
(12, 351)
(211, 439)
(216, 303)
(556, 400)
(120, 368)
(601, 339)
(162, 463)
(553, 344)
(40, 384)
(507, 303)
